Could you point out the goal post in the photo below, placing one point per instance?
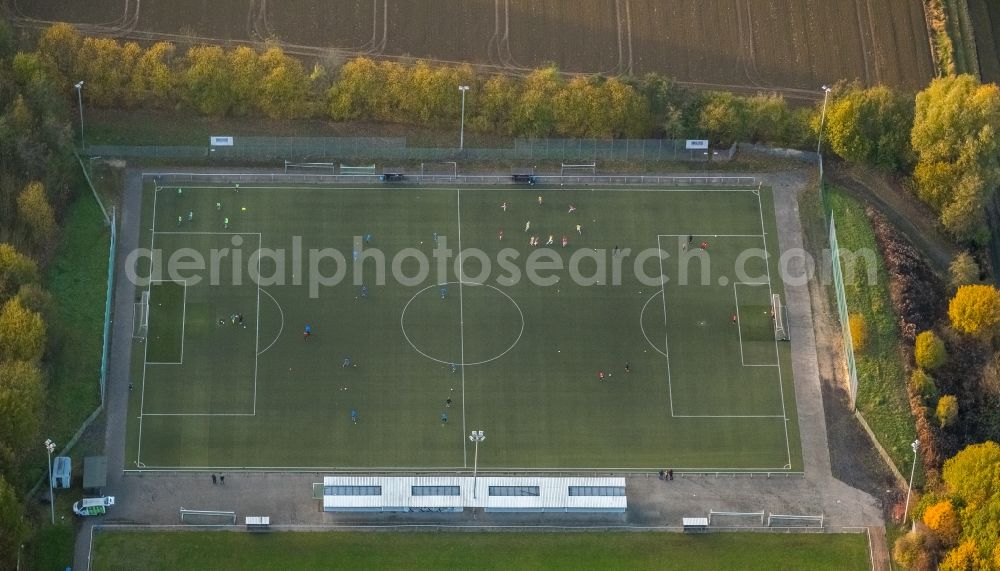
(779, 317)
(140, 325)
(310, 167)
(584, 168)
(357, 169)
(207, 517)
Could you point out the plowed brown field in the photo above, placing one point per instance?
(792, 46)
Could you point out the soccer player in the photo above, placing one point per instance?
(435, 237)
(444, 292)
(444, 418)
(527, 225)
(579, 229)
(551, 240)
(565, 241)
(703, 245)
(354, 416)
(539, 199)
(600, 375)
(500, 234)
(354, 253)
(180, 191)
(179, 220)
(307, 333)
(454, 367)
(237, 187)
(190, 215)
(447, 403)
(368, 238)
(628, 367)
(218, 206)
(504, 206)
(734, 319)
(364, 291)
(225, 222)
(346, 363)
(572, 208)
(617, 251)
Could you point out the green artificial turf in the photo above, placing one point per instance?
(503, 551)
(263, 395)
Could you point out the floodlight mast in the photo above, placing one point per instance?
(476, 436)
(461, 133)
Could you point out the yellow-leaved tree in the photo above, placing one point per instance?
(22, 332)
(972, 478)
(943, 520)
(929, 351)
(975, 310)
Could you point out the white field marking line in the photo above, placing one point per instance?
(711, 235)
(281, 328)
(183, 320)
(666, 344)
(257, 342)
(212, 233)
(667, 348)
(642, 312)
(256, 347)
(739, 324)
(461, 321)
(777, 354)
(199, 414)
(462, 469)
(307, 186)
(739, 327)
(145, 349)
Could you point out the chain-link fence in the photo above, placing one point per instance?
(335, 149)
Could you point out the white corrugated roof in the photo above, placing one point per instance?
(553, 493)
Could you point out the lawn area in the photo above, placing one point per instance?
(302, 551)
(881, 377)
(227, 378)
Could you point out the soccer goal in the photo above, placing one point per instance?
(778, 314)
(357, 169)
(322, 168)
(207, 517)
(140, 319)
(577, 169)
(795, 520)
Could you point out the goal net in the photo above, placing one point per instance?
(357, 169)
(207, 517)
(321, 168)
(140, 325)
(778, 314)
(578, 169)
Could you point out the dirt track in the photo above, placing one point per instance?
(791, 46)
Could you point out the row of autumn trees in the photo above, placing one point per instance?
(243, 81)
(949, 331)
(35, 170)
(946, 140)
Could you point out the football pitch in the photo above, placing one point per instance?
(431, 315)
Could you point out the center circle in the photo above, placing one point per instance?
(430, 302)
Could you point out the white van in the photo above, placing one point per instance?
(93, 506)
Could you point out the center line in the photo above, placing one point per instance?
(461, 323)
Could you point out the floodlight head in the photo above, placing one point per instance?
(79, 85)
(915, 445)
(463, 87)
(49, 445)
(827, 89)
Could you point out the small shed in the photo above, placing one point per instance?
(95, 474)
(62, 472)
(695, 524)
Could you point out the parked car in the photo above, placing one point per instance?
(93, 506)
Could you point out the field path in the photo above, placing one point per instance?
(154, 498)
